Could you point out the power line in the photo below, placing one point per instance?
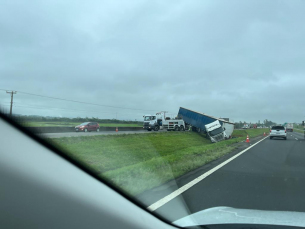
(40, 106)
(55, 108)
(59, 108)
(49, 108)
(75, 101)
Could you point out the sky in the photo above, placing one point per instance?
(242, 60)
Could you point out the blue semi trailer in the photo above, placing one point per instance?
(215, 128)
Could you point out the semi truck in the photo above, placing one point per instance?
(289, 127)
(215, 128)
(162, 120)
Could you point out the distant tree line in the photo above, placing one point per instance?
(35, 118)
(266, 123)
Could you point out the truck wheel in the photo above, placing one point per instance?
(156, 128)
(181, 128)
(177, 128)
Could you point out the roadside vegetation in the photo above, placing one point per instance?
(138, 162)
(250, 132)
(42, 124)
(298, 128)
(69, 124)
(42, 121)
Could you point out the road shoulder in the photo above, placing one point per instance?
(151, 196)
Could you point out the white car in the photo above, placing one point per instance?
(278, 132)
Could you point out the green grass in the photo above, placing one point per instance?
(39, 124)
(250, 132)
(298, 128)
(64, 124)
(139, 162)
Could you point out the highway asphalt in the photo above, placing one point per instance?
(268, 176)
(76, 134)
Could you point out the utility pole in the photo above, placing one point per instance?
(12, 96)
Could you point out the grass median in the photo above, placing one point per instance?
(138, 162)
(299, 129)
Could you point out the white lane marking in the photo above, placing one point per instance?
(179, 191)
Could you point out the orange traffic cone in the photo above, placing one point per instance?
(116, 129)
(247, 139)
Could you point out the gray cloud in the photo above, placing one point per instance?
(238, 59)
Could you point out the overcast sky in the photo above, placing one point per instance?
(244, 60)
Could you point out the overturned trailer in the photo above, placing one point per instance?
(216, 129)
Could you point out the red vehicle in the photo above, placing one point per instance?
(88, 126)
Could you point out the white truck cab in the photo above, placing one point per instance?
(215, 131)
(160, 121)
(152, 122)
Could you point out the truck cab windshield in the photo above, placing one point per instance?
(216, 131)
(147, 118)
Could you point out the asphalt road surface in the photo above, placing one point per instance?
(76, 134)
(269, 176)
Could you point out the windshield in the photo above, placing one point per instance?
(83, 124)
(147, 118)
(216, 131)
(235, 62)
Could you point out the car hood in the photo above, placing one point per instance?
(228, 215)
(79, 125)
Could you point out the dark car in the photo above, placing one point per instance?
(88, 126)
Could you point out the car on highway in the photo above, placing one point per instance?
(75, 197)
(88, 127)
(278, 132)
(67, 66)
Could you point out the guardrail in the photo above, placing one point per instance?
(55, 129)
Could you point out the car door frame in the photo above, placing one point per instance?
(90, 127)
